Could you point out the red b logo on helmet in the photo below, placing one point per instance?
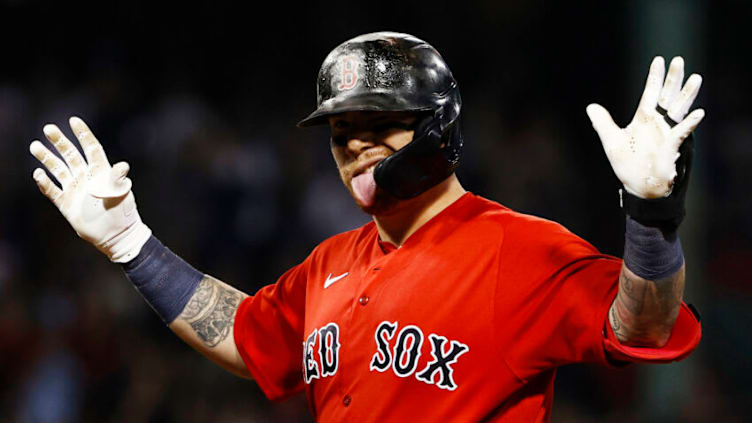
(349, 76)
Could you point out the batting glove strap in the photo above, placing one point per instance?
(126, 245)
(165, 280)
(665, 213)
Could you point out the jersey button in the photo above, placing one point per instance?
(346, 400)
(363, 300)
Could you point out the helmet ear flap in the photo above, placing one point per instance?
(448, 140)
(425, 124)
(419, 165)
(451, 143)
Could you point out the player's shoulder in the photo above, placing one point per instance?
(487, 210)
(491, 215)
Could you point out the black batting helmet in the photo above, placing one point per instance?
(389, 71)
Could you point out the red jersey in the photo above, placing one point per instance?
(466, 321)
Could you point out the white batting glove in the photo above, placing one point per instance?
(95, 198)
(643, 154)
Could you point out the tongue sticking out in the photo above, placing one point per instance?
(364, 188)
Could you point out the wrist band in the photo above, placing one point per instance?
(650, 253)
(165, 280)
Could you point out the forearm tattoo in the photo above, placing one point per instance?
(211, 311)
(644, 308)
(616, 324)
(631, 293)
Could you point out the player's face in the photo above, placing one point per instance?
(360, 140)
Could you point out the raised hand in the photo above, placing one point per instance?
(643, 154)
(93, 196)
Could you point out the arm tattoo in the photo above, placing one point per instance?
(616, 324)
(631, 294)
(199, 301)
(644, 311)
(211, 311)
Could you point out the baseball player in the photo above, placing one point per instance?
(447, 306)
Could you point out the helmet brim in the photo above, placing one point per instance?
(371, 102)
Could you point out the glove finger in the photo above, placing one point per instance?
(653, 85)
(113, 185)
(54, 165)
(47, 187)
(120, 179)
(66, 149)
(604, 125)
(93, 150)
(683, 102)
(685, 127)
(672, 85)
(105, 191)
(120, 170)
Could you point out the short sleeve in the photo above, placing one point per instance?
(553, 297)
(268, 334)
(685, 336)
(555, 292)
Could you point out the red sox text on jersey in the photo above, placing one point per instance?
(401, 356)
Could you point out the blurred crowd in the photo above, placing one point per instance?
(206, 118)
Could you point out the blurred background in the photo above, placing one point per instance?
(202, 100)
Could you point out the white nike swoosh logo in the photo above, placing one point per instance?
(330, 280)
